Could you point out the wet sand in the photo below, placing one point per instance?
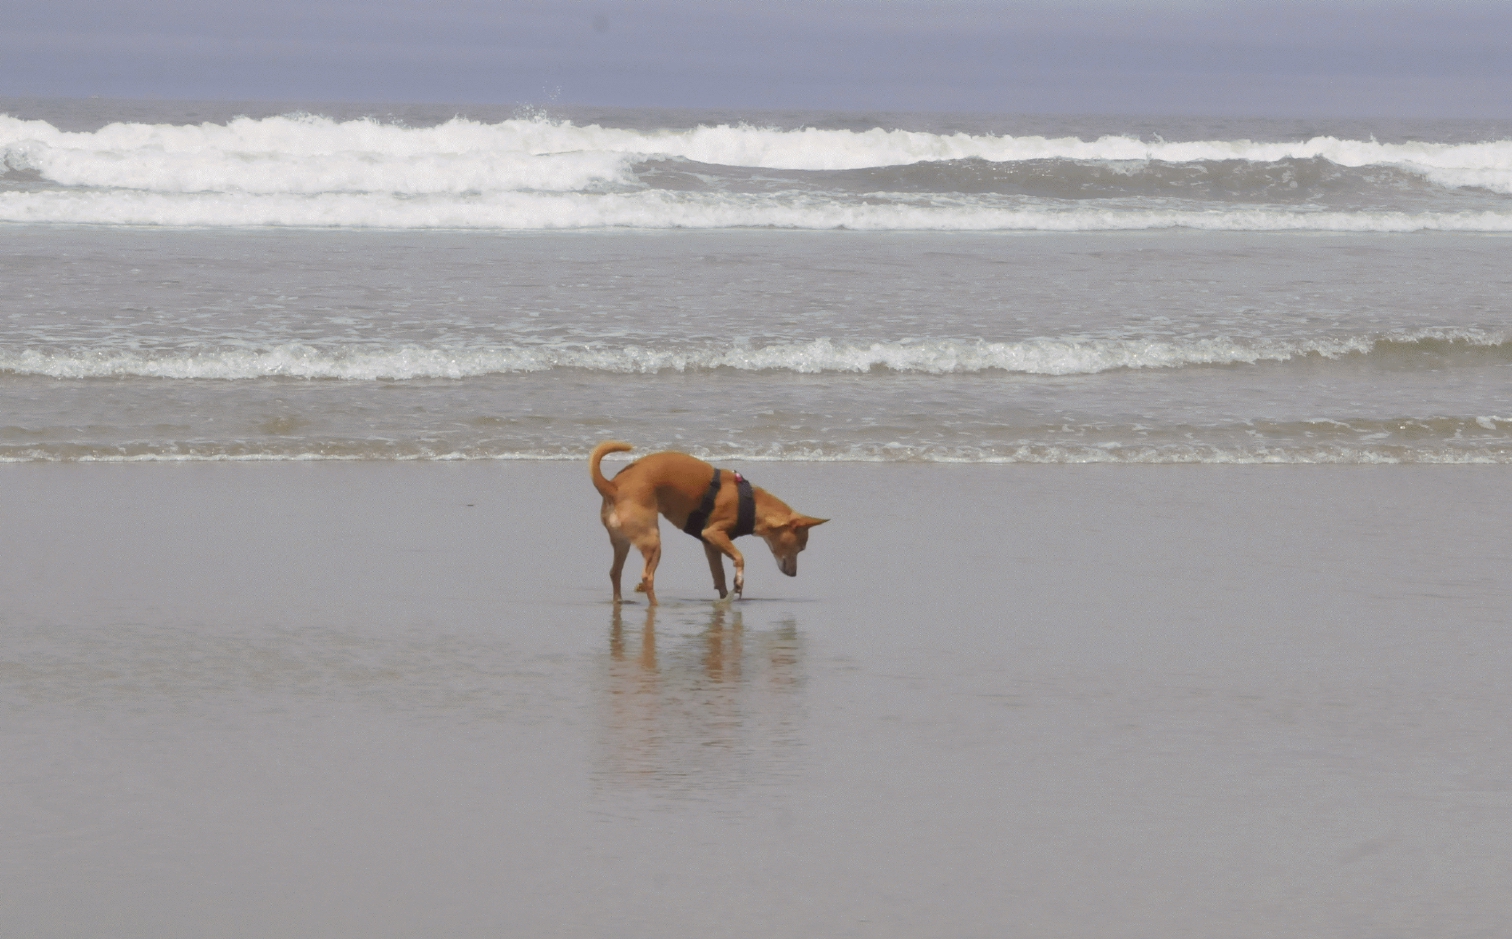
(375, 700)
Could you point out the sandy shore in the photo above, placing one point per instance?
(374, 700)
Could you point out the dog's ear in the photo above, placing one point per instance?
(807, 521)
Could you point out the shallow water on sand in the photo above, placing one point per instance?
(391, 700)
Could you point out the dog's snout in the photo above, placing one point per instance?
(788, 566)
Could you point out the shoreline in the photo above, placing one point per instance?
(380, 699)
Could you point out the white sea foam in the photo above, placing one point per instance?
(311, 154)
(818, 356)
(306, 155)
(520, 211)
(1042, 454)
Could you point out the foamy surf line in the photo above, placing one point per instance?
(818, 356)
(660, 210)
(254, 152)
(1047, 454)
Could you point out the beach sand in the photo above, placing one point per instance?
(382, 699)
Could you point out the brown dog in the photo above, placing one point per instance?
(712, 505)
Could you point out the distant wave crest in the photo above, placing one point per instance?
(818, 356)
(303, 142)
(537, 173)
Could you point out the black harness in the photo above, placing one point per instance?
(745, 519)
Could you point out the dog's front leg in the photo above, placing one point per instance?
(716, 567)
(721, 541)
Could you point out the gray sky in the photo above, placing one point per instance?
(1243, 58)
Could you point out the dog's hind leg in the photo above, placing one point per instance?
(621, 551)
(716, 567)
(649, 543)
(618, 538)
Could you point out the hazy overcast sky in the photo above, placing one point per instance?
(1244, 58)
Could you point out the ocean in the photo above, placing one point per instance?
(270, 281)
(308, 631)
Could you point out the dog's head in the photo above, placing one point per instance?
(789, 538)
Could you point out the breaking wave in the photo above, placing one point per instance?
(196, 157)
(936, 357)
(536, 173)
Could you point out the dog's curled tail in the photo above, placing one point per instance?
(605, 486)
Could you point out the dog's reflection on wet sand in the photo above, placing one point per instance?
(715, 707)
